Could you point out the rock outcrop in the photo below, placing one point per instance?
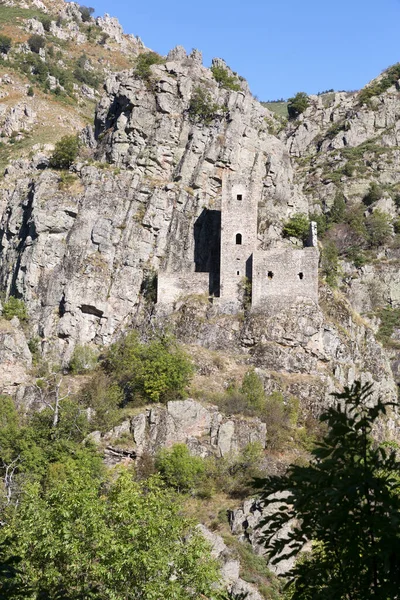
(15, 357)
(204, 429)
(250, 523)
(89, 249)
(230, 567)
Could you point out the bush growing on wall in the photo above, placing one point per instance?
(297, 226)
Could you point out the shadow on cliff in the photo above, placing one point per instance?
(207, 247)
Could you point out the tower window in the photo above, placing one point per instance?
(238, 239)
(239, 197)
(270, 274)
(301, 275)
(237, 273)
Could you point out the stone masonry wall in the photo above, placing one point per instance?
(172, 286)
(239, 218)
(283, 275)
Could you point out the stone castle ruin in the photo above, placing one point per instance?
(228, 265)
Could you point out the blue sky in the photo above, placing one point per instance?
(279, 47)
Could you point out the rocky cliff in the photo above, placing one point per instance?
(82, 248)
(89, 248)
(83, 252)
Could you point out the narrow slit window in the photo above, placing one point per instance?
(237, 272)
(301, 275)
(270, 275)
(238, 239)
(239, 197)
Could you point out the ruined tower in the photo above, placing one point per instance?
(273, 278)
(238, 239)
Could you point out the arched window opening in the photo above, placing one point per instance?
(270, 274)
(239, 197)
(301, 275)
(238, 239)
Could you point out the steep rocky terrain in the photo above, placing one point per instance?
(82, 249)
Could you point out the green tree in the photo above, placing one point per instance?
(104, 397)
(84, 359)
(330, 263)
(144, 63)
(85, 538)
(379, 228)
(253, 390)
(179, 469)
(338, 209)
(15, 307)
(373, 195)
(281, 417)
(221, 75)
(154, 372)
(5, 44)
(45, 21)
(201, 107)
(86, 13)
(347, 502)
(297, 105)
(65, 152)
(297, 226)
(36, 42)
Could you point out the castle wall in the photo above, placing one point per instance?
(284, 275)
(172, 286)
(238, 223)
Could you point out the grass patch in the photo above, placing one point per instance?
(390, 77)
(369, 146)
(11, 14)
(279, 108)
(253, 568)
(390, 320)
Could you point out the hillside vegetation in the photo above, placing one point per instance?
(52, 68)
(131, 430)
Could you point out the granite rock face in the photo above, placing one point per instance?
(82, 252)
(230, 567)
(203, 429)
(80, 255)
(245, 522)
(15, 357)
(302, 350)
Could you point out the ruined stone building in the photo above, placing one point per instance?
(227, 262)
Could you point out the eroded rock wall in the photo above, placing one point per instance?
(80, 252)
